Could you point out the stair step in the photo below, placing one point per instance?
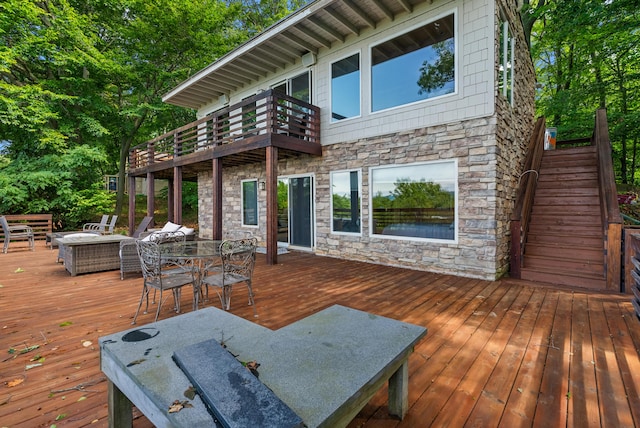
(546, 217)
(569, 192)
(592, 201)
(564, 252)
(564, 210)
(561, 231)
(563, 240)
(580, 267)
(553, 277)
(554, 183)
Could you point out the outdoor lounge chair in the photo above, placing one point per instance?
(112, 225)
(156, 277)
(142, 227)
(96, 227)
(238, 260)
(16, 232)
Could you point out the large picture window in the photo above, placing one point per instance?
(415, 66)
(416, 200)
(250, 203)
(345, 88)
(345, 202)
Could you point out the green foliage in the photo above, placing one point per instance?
(587, 57)
(66, 185)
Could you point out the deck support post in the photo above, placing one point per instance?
(177, 195)
(272, 204)
(131, 218)
(216, 196)
(151, 194)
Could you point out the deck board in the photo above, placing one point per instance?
(498, 353)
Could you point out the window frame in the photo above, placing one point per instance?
(331, 179)
(454, 165)
(506, 73)
(360, 82)
(243, 205)
(408, 29)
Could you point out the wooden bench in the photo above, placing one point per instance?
(41, 224)
(325, 367)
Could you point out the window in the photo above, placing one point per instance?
(345, 88)
(345, 202)
(416, 200)
(415, 66)
(298, 87)
(507, 53)
(250, 203)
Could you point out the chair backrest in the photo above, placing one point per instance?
(238, 256)
(142, 226)
(114, 219)
(149, 259)
(104, 220)
(5, 227)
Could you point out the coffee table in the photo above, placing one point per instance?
(325, 367)
(90, 253)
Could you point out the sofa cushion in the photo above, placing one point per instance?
(170, 227)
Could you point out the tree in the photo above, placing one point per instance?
(587, 58)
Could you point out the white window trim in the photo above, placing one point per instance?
(412, 238)
(334, 122)
(405, 30)
(507, 75)
(257, 225)
(359, 171)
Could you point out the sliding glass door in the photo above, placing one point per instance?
(295, 211)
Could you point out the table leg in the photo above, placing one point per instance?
(120, 412)
(399, 391)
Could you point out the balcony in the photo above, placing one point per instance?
(238, 134)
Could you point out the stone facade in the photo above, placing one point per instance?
(472, 143)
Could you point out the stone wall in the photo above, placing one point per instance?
(472, 143)
(514, 127)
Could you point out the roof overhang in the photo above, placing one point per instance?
(318, 25)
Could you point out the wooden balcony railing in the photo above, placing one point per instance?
(269, 112)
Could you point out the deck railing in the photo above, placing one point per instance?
(269, 112)
(524, 199)
(610, 210)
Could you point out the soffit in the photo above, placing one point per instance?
(321, 24)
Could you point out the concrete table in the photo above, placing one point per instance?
(325, 367)
(90, 253)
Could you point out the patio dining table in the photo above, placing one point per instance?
(195, 256)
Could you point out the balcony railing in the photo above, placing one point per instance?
(269, 112)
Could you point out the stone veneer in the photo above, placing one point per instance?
(472, 143)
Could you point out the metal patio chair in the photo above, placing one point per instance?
(238, 260)
(16, 232)
(156, 278)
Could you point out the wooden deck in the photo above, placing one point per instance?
(498, 353)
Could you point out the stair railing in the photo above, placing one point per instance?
(610, 210)
(524, 198)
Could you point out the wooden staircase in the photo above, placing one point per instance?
(565, 243)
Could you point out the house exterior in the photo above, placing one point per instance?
(417, 116)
